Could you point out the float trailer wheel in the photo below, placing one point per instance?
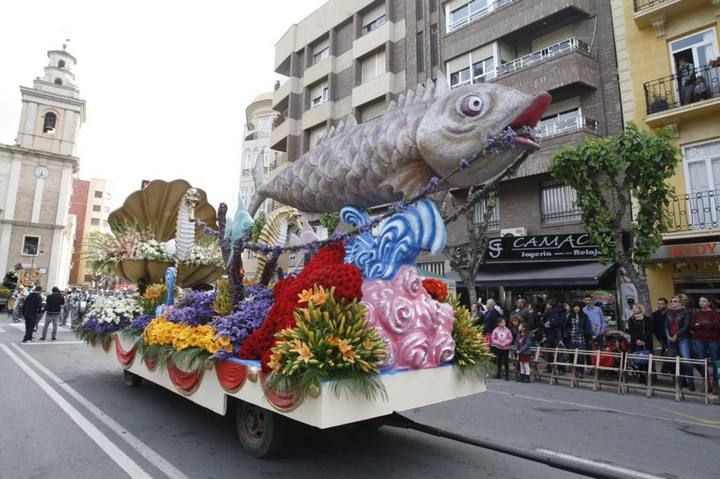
(131, 379)
(261, 432)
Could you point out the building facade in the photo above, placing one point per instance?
(36, 175)
(669, 66)
(353, 57)
(90, 208)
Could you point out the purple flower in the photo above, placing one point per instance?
(92, 325)
(337, 236)
(196, 308)
(399, 207)
(434, 181)
(247, 316)
(464, 164)
(141, 322)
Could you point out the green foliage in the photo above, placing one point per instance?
(330, 342)
(608, 174)
(5, 292)
(472, 354)
(258, 225)
(223, 303)
(330, 221)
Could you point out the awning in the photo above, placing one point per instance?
(543, 274)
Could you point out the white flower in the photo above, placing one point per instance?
(112, 309)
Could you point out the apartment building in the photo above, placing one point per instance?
(351, 57)
(669, 65)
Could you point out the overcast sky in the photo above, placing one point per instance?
(166, 82)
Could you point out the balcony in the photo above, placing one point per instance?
(566, 124)
(253, 135)
(280, 131)
(539, 56)
(373, 89)
(555, 134)
(655, 12)
(668, 101)
(279, 161)
(698, 211)
(469, 13)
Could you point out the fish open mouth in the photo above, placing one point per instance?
(524, 125)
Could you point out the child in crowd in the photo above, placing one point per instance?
(501, 339)
(523, 343)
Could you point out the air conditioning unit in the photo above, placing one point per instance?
(519, 231)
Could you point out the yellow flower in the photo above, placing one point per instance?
(316, 296)
(303, 351)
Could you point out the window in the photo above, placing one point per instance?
(419, 48)
(434, 44)
(477, 66)
(702, 165)
(698, 49)
(31, 245)
(49, 122)
(97, 208)
(555, 124)
(462, 14)
(319, 94)
(61, 63)
(315, 134)
(479, 215)
(373, 66)
(373, 19)
(58, 81)
(108, 196)
(433, 5)
(106, 209)
(320, 51)
(98, 194)
(95, 221)
(246, 194)
(371, 111)
(247, 163)
(265, 156)
(559, 204)
(418, 9)
(433, 267)
(264, 123)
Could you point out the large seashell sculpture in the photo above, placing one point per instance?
(418, 329)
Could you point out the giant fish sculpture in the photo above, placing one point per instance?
(426, 133)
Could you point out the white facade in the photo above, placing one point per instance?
(36, 175)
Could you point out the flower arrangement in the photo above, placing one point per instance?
(472, 354)
(194, 309)
(246, 318)
(155, 295)
(331, 341)
(325, 269)
(223, 303)
(152, 250)
(108, 315)
(206, 253)
(435, 288)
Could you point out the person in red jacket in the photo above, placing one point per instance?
(705, 328)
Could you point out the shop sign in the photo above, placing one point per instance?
(689, 250)
(573, 247)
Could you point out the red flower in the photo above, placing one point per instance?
(325, 269)
(435, 288)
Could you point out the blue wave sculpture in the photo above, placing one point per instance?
(401, 239)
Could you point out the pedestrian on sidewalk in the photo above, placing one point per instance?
(597, 320)
(577, 332)
(32, 310)
(523, 343)
(53, 310)
(705, 328)
(501, 339)
(677, 330)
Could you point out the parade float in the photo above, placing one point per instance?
(356, 334)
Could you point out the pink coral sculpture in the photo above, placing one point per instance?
(418, 329)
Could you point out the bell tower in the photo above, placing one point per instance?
(52, 110)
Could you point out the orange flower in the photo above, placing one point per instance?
(303, 351)
(315, 296)
(346, 349)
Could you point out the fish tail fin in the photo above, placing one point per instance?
(259, 181)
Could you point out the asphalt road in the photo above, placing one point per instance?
(65, 413)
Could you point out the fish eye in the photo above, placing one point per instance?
(470, 105)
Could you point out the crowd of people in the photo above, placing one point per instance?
(676, 328)
(59, 308)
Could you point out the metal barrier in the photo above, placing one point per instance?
(619, 370)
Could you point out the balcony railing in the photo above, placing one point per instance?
(558, 126)
(695, 211)
(280, 119)
(645, 4)
(475, 14)
(679, 90)
(256, 135)
(278, 161)
(542, 55)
